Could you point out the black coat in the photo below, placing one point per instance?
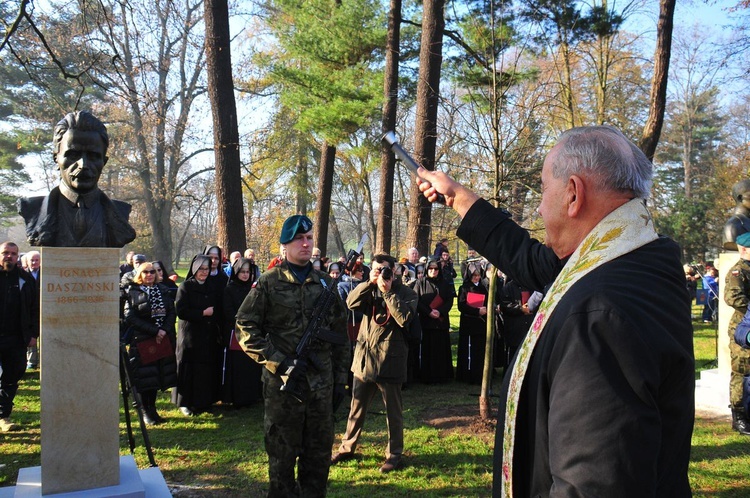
(162, 373)
(198, 348)
(607, 403)
(427, 289)
(516, 323)
(436, 361)
(240, 374)
(471, 322)
(26, 297)
(472, 334)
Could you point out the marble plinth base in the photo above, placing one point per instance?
(712, 392)
(134, 483)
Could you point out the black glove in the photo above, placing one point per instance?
(292, 366)
(340, 392)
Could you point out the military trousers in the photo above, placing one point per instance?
(740, 359)
(362, 394)
(298, 434)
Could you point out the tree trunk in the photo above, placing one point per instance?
(338, 240)
(658, 100)
(388, 159)
(230, 219)
(301, 178)
(485, 406)
(325, 188)
(567, 87)
(428, 92)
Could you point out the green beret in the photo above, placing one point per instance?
(743, 239)
(293, 225)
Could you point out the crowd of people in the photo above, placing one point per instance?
(441, 288)
(201, 361)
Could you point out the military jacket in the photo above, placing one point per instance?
(272, 320)
(382, 348)
(737, 292)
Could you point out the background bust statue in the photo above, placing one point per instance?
(739, 222)
(77, 213)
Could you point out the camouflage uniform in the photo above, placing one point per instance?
(737, 295)
(271, 322)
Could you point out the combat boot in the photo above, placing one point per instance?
(740, 422)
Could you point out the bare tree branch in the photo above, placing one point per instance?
(16, 23)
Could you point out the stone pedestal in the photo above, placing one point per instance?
(80, 376)
(80, 384)
(712, 389)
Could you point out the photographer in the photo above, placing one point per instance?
(380, 355)
(446, 268)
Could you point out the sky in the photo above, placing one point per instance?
(711, 15)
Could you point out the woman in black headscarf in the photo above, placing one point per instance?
(150, 314)
(240, 375)
(472, 335)
(435, 302)
(197, 341)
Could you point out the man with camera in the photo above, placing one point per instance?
(380, 357)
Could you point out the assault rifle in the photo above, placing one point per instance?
(316, 333)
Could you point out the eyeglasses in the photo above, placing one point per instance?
(149, 272)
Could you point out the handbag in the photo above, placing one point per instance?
(150, 350)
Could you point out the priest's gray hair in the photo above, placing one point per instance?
(604, 154)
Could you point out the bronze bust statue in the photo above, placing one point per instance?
(739, 222)
(77, 213)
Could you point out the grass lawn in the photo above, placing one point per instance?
(448, 449)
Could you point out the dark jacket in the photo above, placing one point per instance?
(472, 323)
(427, 289)
(606, 407)
(195, 330)
(198, 350)
(40, 215)
(234, 294)
(162, 373)
(27, 298)
(382, 348)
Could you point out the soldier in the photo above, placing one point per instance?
(737, 295)
(271, 322)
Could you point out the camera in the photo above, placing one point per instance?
(386, 274)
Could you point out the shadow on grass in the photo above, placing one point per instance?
(728, 450)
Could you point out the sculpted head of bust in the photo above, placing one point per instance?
(80, 150)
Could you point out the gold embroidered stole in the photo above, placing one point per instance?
(623, 230)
